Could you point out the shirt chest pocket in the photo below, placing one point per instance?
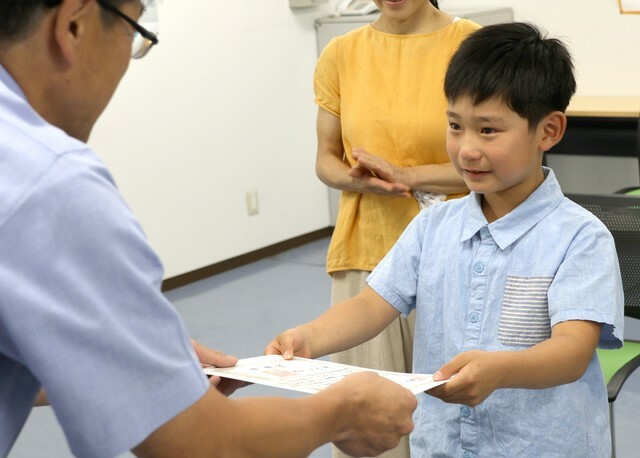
(524, 318)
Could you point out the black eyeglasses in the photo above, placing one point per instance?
(143, 41)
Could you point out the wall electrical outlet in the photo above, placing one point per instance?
(253, 207)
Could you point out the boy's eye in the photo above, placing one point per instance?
(487, 130)
(454, 126)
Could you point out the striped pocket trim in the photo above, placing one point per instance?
(524, 319)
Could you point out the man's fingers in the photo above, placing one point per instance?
(210, 357)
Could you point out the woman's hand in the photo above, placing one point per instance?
(373, 174)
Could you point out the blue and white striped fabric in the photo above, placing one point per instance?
(81, 311)
(502, 287)
(524, 320)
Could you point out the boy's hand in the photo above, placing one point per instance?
(289, 344)
(476, 377)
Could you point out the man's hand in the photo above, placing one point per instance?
(377, 413)
(209, 357)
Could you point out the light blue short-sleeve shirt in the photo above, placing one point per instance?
(81, 312)
(502, 287)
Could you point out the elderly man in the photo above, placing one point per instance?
(82, 317)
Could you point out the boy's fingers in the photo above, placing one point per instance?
(281, 345)
(444, 372)
(450, 368)
(286, 346)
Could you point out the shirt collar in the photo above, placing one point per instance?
(16, 110)
(14, 106)
(8, 86)
(513, 225)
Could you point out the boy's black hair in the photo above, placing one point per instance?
(515, 63)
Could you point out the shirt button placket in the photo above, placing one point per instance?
(477, 299)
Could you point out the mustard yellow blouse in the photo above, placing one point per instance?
(388, 92)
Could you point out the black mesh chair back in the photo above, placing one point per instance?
(621, 215)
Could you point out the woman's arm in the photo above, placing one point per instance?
(334, 171)
(434, 178)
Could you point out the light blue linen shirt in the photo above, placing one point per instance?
(81, 312)
(502, 287)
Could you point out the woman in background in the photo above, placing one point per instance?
(381, 140)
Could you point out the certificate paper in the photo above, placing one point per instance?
(310, 375)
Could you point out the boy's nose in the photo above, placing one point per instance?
(468, 150)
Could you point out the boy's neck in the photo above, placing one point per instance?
(495, 210)
(496, 205)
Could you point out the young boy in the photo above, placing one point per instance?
(514, 285)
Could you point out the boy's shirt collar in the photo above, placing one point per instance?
(516, 223)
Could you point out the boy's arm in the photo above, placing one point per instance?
(364, 415)
(343, 326)
(563, 358)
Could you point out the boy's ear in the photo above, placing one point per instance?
(70, 28)
(553, 127)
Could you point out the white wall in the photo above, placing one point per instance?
(225, 104)
(604, 42)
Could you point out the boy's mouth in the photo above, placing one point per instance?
(475, 173)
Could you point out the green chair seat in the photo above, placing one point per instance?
(629, 191)
(612, 361)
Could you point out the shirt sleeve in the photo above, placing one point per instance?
(395, 278)
(588, 285)
(326, 82)
(84, 312)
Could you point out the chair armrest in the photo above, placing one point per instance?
(621, 376)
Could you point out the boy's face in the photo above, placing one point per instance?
(495, 152)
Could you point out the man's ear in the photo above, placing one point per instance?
(70, 27)
(553, 127)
